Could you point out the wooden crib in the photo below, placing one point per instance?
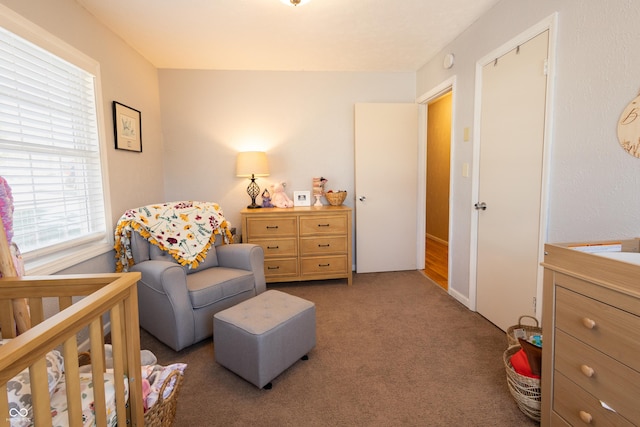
(114, 295)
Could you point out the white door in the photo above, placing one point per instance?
(386, 184)
(510, 182)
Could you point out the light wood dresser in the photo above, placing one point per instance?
(591, 327)
(301, 243)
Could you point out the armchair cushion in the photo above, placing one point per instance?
(228, 282)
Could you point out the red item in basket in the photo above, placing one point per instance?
(520, 364)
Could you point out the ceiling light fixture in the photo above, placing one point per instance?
(294, 2)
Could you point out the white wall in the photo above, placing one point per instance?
(593, 189)
(303, 120)
(134, 179)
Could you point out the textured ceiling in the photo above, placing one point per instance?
(322, 35)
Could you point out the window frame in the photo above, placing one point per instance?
(50, 263)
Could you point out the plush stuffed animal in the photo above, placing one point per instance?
(266, 199)
(279, 198)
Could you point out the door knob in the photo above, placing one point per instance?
(362, 199)
(481, 206)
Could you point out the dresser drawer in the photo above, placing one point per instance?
(576, 405)
(271, 227)
(606, 328)
(323, 245)
(278, 247)
(329, 224)
(600, 375)
(275, 268)
(324, 265)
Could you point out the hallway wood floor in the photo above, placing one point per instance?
(436, 259)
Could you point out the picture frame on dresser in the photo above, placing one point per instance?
(301, 198)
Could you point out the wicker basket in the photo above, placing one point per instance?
(512, 339)
(162, 413)
(336, 198)
(525, 390)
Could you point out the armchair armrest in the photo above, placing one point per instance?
(164, 305)
(244, 256)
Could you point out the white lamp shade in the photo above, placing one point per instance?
(252, 163)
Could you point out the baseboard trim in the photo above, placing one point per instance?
(437, 239)
(461, 298)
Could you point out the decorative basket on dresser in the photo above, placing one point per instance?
(301, 243)
(591, 322)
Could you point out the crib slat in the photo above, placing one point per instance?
(4, 410)
(7, 327)
(118, 366)
(97, 370)
(40, 393)
(132, 330)
(36, 310)
(71, 374)
(65, 302)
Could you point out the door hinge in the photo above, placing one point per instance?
(535, 305)
(545, 67)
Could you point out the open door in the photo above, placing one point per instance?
(386, 184)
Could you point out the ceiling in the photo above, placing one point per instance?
(322, 35)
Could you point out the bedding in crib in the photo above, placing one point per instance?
(19, 392)
(19, 395)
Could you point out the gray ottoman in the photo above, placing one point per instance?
(261, 337)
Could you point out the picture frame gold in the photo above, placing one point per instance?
(127, 126)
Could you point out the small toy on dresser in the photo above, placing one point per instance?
(279, 198)
(266, 199)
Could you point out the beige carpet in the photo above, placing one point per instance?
(393, 349)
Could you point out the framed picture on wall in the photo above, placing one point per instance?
(301, 198)
(127, 123)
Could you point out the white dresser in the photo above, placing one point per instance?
(591, 324)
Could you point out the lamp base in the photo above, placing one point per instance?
(253, 190)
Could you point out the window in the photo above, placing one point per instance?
(50, 152)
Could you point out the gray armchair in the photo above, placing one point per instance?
(177, 304)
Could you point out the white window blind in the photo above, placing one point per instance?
(49, 149)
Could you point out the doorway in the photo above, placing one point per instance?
(438, 173)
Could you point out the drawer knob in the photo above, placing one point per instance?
(585, 417)
(588, 323)
(273, 268)
(269, 227)
(324, 225)
(587, 370)
(324, 246)
(273, 247)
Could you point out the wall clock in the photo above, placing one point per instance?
(629, 128)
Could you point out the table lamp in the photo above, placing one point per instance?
(252, 164)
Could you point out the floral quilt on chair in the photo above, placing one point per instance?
(185, 230)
